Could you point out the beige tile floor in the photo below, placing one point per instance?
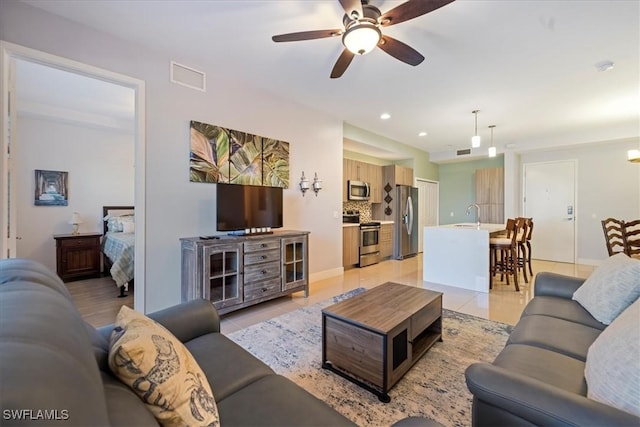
(502, 303)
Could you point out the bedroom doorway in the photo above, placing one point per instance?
(10, 148)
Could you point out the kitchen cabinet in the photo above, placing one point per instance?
(354, 170)
(350, 245)
(404, 176)
(386, 240)
(375, 181)
(489, 187)
(397, 175)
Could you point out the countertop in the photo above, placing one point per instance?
(491, 228)
(346, 224)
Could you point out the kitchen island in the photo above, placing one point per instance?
(458, 255)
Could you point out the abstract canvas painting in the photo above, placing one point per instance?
(51, 188)
(229, 156)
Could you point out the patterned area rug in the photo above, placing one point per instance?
(434, 387)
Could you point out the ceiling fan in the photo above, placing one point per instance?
(361, 33)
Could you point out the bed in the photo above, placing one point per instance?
(118, 244)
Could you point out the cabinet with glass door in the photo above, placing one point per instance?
(295, 270)
(222, 271)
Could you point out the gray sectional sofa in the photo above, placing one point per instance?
(54, 370)
(539, 377)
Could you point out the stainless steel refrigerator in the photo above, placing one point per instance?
(406, 222)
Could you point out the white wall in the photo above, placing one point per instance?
(176, 207)
(608, 186)
(100, 166)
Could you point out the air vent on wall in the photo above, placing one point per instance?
(463, 152)
(189, 77)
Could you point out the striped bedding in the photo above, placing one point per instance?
(119, 247)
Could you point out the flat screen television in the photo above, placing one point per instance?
(241, 207)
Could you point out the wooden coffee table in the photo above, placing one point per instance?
(374, 338)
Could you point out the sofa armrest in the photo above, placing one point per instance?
(556, 285)
(189, 320)
(540, 403)
(185, 321)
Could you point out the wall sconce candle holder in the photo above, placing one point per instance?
(317, 184)
(304, 184)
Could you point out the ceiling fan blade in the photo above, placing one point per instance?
(401, 51)
(342, 63)
(351, 6)
(411, 9)
(306, 35)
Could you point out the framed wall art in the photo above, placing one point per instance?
(229, 156)
(52, 188)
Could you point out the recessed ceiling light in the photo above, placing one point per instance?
(605, 65)
(422, 134)
(385, 116)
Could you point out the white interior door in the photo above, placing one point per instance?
(428, 206)
(549, 198)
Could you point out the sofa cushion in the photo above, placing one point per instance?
(124, 406)
(231, 369)
(276, 401)
(46, 359)
(568, 338)
(159, 368)
(561, 308)
(544, 365)
(613, 363)
(612, 287)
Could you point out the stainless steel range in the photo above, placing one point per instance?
(369, 243)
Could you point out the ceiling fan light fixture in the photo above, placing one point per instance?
(361, 38)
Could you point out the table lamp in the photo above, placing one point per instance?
(75, 221)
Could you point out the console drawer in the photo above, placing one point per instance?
(261, 257)
(261, 289)
(262, 245)
(261, 272)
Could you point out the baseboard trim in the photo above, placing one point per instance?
(589, 261)
(321, 275)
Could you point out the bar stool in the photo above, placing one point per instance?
(524, 247)
(529, 222)
(503, 253)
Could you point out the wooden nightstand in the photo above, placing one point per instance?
(78, 256)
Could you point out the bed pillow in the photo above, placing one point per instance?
(612, 287)
(128, 227)
(113, 224)
(159, 368)
(612, 369)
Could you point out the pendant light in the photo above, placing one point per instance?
(475, 140)
(492, 149)
(633, 156)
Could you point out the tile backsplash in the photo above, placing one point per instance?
(363, 207)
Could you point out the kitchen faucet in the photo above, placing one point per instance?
(475, 205)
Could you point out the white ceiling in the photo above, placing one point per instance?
(48, 92)
(528, 66)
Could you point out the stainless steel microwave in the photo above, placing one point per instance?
(358, 190)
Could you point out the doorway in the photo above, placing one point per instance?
(428, 193)
(550, 199)
(9, 147)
